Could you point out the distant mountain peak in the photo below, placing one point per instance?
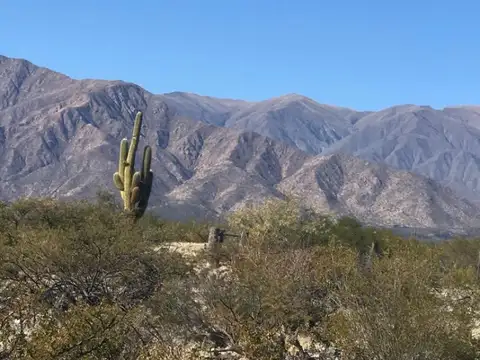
(192, 95)
(292, 97)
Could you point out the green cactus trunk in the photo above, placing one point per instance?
(134, 186)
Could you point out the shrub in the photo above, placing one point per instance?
(75, 279)
(398, 310)
(80, 280)
(281, 224)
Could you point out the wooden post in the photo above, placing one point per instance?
(216, 237)
(211, 244)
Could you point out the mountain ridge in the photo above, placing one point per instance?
(59, 136)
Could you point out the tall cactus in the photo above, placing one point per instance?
(134, 186)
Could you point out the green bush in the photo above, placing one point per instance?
(76, 277)
(80, 280)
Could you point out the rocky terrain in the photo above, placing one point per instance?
(60, 137)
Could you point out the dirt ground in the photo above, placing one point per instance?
(187, 249)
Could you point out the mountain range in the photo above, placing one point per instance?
(408, 166)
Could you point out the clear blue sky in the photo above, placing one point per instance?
(365, 54)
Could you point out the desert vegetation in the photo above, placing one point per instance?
(81, 280)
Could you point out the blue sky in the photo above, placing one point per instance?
(364, 54)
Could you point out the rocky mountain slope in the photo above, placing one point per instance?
(60, 137)
(440, 144)
(293, 119)
(443, 145)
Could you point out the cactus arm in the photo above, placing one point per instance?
(122, 157)
(117, 181)
(137, 125)
(137, 178)
(149, 184)
(147, 180)
(145, 193)
(146, 162)
(147, 188)
(135, 197)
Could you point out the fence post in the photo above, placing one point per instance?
(211, 244)
(215, 240)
